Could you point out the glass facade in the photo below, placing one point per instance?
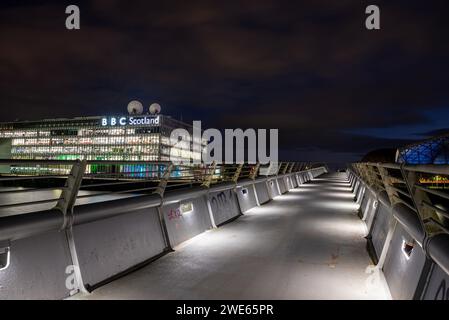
(431, 151)
(124, 138)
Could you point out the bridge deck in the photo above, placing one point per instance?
(306, 244)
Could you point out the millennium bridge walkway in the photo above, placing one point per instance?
(284, 231)
(306, 244)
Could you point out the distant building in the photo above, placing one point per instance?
(431, 151)
(122, 138)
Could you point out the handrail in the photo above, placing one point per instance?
(424, 201)
(428, 168)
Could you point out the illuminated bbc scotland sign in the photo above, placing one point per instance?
(130, 121)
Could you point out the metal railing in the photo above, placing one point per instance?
(64, 215)
(409, 185)
(141, 177)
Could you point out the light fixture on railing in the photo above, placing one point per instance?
(186, 208)
(5, 258)
(407, 249)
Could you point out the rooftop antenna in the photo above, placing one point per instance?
(155, 108)
(135, 107)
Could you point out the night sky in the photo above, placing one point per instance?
(310, 68)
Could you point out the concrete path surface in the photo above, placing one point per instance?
(306, 244)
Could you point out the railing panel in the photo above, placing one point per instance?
(403, 265)
(107, 247)
(262, 192)
(224, 205)
(186, 219)
(39, 268)
(246, 198)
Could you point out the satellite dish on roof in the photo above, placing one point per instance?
(155, 108)
(135, 107)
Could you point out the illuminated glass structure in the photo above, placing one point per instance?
(431, 151)
(121, 138)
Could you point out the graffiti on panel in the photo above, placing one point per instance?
(222, 202)
(174, 214)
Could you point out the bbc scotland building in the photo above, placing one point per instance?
(133, 137)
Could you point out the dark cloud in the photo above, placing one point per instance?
(432, 133)
(310, 69)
